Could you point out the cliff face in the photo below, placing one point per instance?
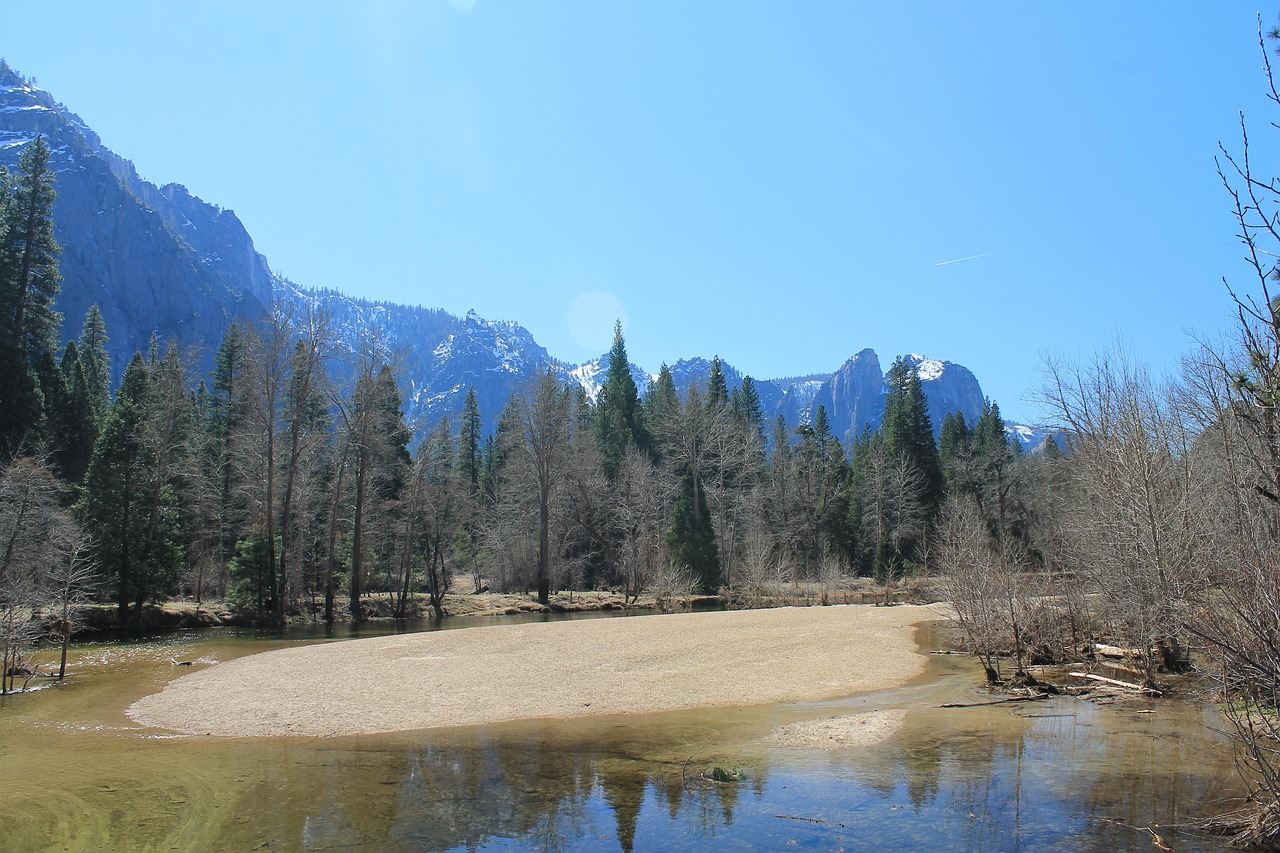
(152, 259)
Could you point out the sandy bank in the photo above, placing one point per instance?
(559, 669)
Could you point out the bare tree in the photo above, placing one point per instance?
(35, 533)
(993, 592)
(69, 584)
(641, 504)
(546, 424)
(1132, 530)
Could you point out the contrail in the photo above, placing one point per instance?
(970, 258)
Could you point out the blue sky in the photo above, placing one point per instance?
(779, 183)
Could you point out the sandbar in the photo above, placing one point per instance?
(563, 670)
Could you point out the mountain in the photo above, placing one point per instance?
(158, 260)
(853, 396)
(154, 259)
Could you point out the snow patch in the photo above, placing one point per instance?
(927, 369)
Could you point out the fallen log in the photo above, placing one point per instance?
(1032, 698)
(1107, 651)
(1128, 685)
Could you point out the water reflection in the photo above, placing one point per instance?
(1072, 776)
(1055, 775)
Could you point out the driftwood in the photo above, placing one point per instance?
(809, 820)
(1128, 685)
(1032, 698)
(1107, 651)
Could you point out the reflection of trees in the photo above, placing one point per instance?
(452, 790)
(974, 778)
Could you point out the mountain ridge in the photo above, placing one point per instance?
(160, 260)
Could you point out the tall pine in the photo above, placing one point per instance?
(617, 420)
(29, 283)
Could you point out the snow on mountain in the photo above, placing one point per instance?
(1032, 439)
(160, 260)
(927, 369)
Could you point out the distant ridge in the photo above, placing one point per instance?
(159, 260)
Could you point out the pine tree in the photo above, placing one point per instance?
(745, 404)
(617, 416)
(692, 541)
(380, 465)
(29, 284)
(227, 415)
(94, 361)
(470, 455)
(908, 430)
(32, 281)
(955, 451)
(661, 404)
(994, 457)
(717, 390)
(111, 508)
(73, 427)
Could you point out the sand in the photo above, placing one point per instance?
(838, 732)
(562, 670)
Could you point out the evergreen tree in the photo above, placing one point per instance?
(380, 464)
(661, 404)
(96, 365)
(227, 405)
(994, 458)
(717, 390)
(908, 431)
(116, 505)
(692, 541)
(29, 284)
(21, 401)
(954, 453)
(31, 278)
(73, 427)
(470, 448)
(617, 417)
(744, 402)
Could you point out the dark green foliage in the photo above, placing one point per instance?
(661, 403)
(821, 493)
(92, 350)
(250, 568)
(393, 434)
(692, 541)
(954, 446)
(907, 429)
(131, 517)
(29, 284)
(73, 426)
(744, 402)
(30, 277)
(717, 390)
(617, 419)
(226, 415)
(21, 401)
(470, 449)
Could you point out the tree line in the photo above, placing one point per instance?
(288, 482)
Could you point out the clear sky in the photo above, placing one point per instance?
(780, 183)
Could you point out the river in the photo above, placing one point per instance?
(1063, 774)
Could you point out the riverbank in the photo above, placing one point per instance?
(547, 670)
(184, 614)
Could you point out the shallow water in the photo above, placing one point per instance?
(77, 774)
